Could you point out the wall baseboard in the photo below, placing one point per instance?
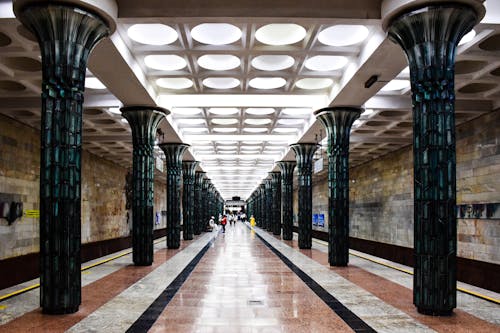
(478, 273)
(26, 267)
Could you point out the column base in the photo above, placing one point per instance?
(143, 263)
(60, 311)
(433, 312)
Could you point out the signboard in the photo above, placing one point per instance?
(318, 165)
(318, 220)
(321, 220)
(33, 213)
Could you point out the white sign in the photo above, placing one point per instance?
(318, 165)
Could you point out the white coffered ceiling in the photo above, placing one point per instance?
(242, 87)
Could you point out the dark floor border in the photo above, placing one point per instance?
(354, 322)
(477, 273)
(149, 317)
(26, 267)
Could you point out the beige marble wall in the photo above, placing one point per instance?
(103, 196)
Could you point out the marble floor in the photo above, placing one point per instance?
(246, 280)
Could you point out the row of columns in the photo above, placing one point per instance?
(427, 32)
(429, 36)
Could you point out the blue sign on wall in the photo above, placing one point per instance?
(315, 219)
(321, 220)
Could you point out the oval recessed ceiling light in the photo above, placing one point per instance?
(219, 62)
(326, 63)
(165, 62)
(227, 147)
(224, 121)
(258, 121)
(255, 129)
(296, 111)
(280, 34)
(221, 82)
(290, 121)
(468, 37)
(267, 82)
(228, 152)
(225, 129)
(115, 110)
(395, 85)
(256, 151)
(313, 83)
(176, 83)
(191, 121)
(227, 142)
(195, 129)
(343, 35)
(187, 111)
(285, 130)
(259, 111)
(223, 111)
(94, 83)
(152, 34)
(272, 62)
(216, 33)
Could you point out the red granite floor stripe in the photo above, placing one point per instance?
(94, 295)
(241, 286)
(400, 297)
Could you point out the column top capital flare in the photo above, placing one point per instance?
(353, 109)
(132, 108)
(107, 10)
(392, 9)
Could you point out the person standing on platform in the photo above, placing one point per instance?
(252, 221)
(223, 222)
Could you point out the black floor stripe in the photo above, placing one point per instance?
(356, 323)
(148, 317)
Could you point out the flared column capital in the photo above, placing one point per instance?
(304, 153)
(198, 177)
(392, 9)
(286, 167)
(189, 168)
(275, 177)
(144, 121)
(174, 152)
(106, 10)
(432, 32)
(338, 117)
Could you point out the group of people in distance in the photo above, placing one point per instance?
(223, 220)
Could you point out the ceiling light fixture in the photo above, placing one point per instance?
(267, 82)
(280, 34)
(272, 62)
(343, 35)
(216, 33)
(323, 63)
(165, 62)
(221, 82)
(175, 83)
(314, 83)
(152, 34)
(218, 62)
(395, 85)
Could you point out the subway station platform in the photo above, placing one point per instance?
(246, 280)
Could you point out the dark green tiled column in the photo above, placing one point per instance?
(337, 122)
(276, 202)
(287, 168)
(198, 205)
(173, 153)
(262, 205)
(268, 199)
(204, 204)
(429, 37)
(304, 153)
(66, 35)
(188, 198)
(143, 121)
